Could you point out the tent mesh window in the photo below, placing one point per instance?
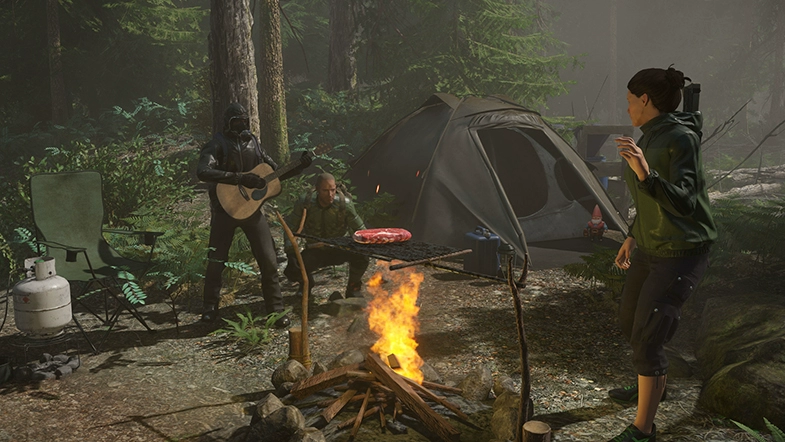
(570, 182)
(519, 169)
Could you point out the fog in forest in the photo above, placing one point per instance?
(727, 46)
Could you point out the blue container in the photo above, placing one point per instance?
(600, 159)
(484, 258)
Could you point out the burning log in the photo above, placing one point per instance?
(392, 360)
(412, 401)
(440, 387)
(360, 375)
(310, 385)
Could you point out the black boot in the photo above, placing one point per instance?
(283, 322)
(354, 290)
(210, 314)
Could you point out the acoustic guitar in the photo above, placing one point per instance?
(241, 202)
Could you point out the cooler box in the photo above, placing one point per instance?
(484, 258)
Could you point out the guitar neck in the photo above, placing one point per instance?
(282, 170)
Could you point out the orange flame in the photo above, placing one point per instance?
(393, 317)
(377, 188)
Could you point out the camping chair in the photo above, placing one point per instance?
(68, 213)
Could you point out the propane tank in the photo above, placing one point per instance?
(42, 302)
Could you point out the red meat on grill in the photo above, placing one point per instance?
(381, 236)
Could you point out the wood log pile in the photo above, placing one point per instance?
(383, 395)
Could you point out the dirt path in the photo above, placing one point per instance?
(169, 386)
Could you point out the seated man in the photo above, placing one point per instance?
(328, 214)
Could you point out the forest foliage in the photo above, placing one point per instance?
(136, 80)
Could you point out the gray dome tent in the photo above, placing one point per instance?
(456, 163)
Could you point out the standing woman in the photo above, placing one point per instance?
(672, 232)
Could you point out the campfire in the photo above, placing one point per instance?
(393, 317)
(389, 382)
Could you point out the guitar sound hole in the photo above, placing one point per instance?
(258, 194)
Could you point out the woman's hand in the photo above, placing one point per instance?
(634, 156)
(625, 251)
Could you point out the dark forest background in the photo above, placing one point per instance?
(124, 87)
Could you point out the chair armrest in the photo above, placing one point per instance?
(70, 251)
(65, 247)
(149, 237)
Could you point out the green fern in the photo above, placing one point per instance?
(131, 290)
(599, 267)
(250, 332)
(776, 434)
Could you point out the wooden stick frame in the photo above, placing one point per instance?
(306, 356)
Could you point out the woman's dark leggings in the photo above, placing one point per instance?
(651, 301)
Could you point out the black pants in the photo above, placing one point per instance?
(316, 258)
(256, 229)
(651, 301)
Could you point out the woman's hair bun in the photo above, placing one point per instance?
(675, 77)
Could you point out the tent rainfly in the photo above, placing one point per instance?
(454, 164)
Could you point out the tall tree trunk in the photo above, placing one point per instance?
(613, 81)
(272, 101)
(342, 64)
(56, 81)
(777, 112)
(232, 67)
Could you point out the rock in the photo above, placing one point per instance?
(347, 358)
(430, 374)
(309, 434)
(359, 325)
(678, 366)
(318, 368)
(741, 352)
(289, 371)
(334, 296)
(396, 427)
(502, 384)
(346, 307)
(74, 362)
(279, 426)
(731, 328)
(284, 389)
(266, 407)
(477, 384)
(65, 370)
(505, 415)
(747, 392)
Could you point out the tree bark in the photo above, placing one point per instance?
(777, 112)
(56, 80)
(272, 99)
(341, 62)
(232, 67)
(613, 67)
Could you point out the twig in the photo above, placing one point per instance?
(296, 37)
(768, 135)
(588, 117)
(523, 408)
(729, 121)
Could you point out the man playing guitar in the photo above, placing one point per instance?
(227, 159)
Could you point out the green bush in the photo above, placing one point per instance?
(599, 267)
(754, 230)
